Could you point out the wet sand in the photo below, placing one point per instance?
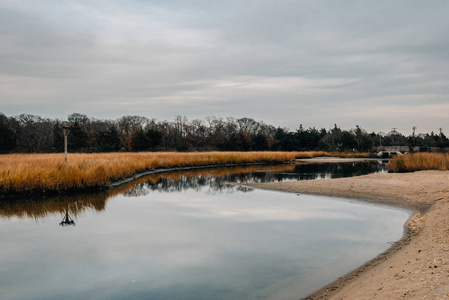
(416, 267)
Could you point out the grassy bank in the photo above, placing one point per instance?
(419, 161)
(41, 173)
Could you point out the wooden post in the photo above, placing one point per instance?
(413, 142)
(65, 143)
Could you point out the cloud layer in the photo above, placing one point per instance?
(378, 64)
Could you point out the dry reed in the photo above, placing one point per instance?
(419, 161)
(43, 173)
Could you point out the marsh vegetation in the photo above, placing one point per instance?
(419, 161)
(48, 173)
(41, 173)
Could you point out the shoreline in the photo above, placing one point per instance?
(334, 159)
(415, 267)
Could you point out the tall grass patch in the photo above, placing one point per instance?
(41, 173)
(419, 161)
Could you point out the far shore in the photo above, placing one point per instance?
(334, 159)
(417, 266)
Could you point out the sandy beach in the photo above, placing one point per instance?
(416, 267)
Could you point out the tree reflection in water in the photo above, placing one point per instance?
(168, 185)
(338, 170)
(215, 180)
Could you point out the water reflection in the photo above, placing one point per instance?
(217, 180)
(334, 170)
(214, 180)
(39, 208)
(67, 219)
(181, 235)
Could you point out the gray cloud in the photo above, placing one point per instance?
(377, 64)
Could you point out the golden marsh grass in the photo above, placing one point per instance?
(419, 161)
(40, 173)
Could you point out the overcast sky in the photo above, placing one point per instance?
(377, 64)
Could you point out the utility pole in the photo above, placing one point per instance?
(380, 140)
(414, 129)
(65, 131)
(393, 133)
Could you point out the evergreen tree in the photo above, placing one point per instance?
(260, 142)
(107, 141)
(441, 141)
(58, 138)
(77, 140)
(139, 141)
(348, 141)
(154, 138)
(7, 137)
(114, 138)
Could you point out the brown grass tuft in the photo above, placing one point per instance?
(419, 161)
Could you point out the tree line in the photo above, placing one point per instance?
(28, 133)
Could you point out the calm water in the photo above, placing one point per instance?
(190, 236)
